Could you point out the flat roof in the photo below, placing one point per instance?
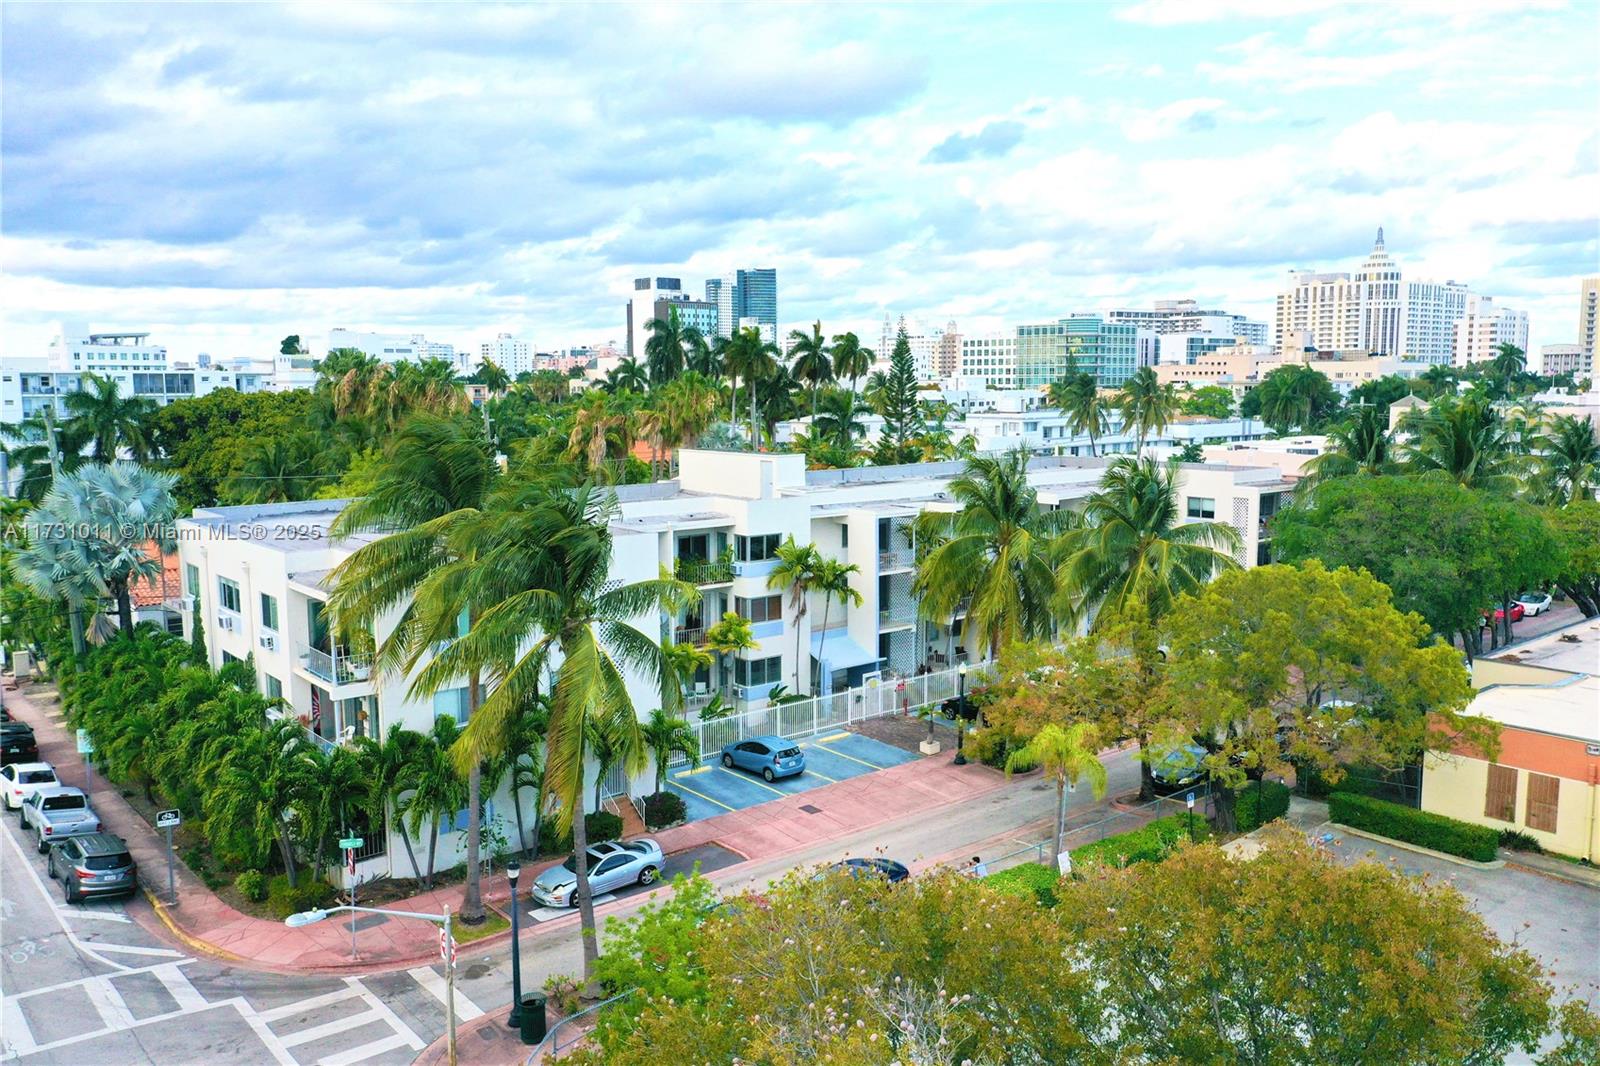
(1574, 648)
(1569, 707)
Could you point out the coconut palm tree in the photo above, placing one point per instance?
(1464, 441)
(850, 360)
(1134, 546)
(666, 735)
(1147, 406)
(277, 469)
(113, 423)
(1292, 396)
(432, 482)
(27, 450)
(811, 362)
(751, 359)
(1067, 754)
(775, 399)
(1088, 411)
(876, 388)
(839, 421)
(1359, 445)
(796, 571)
(1438, 380)
(430, 790)
(1571, 460)
(492, 377)
(1508, 362)
(627, 376)
(833, 581)
(602, 428)
(665, 347)
(392, 762)
(994, 555)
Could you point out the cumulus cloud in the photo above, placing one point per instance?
(994, 139)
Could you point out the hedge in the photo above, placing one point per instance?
(664, 809)
(1151, 842)
(601, 825)
(309, 894)
(1030, 881)
(1413, 826)
(1274, 799)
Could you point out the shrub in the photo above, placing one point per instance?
(1273, 797)
(663, 809)
(252, 885)
(1151, 842)
(989, 746)
(1517, 840)
(602, 825)
(563, 989)
(1416, 827)
(1030, 881)
(309, 894)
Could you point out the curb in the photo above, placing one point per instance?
(1419, 849)
(1589, 879)
(192, 943)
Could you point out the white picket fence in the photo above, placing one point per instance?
(837, 710)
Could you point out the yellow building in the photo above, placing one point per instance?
(1545, 780)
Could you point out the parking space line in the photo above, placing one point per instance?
(825, 777)
(834, 736)
(753, 781)
(852, 758)
(703, 796)
(696, 770)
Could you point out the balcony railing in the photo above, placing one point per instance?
(689, 635)
(896, 559)
(894, 616)
(337, 667)
(705, 571)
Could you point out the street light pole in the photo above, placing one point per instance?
(961, 713)
(450, 987)
(514, 1020)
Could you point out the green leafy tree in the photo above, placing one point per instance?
(290, 345)
(277, 469)
(1576, 528)
(1066, 754)
(1380, 393)
(812, 364)
(1359, 444)
(1464, 441)
(1208, 401)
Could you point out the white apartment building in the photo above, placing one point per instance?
(991, 359)
(74, 349)
(393, 347)
(260, 578)
(928, 347)
(1481, 330)
(1376, 311)
(1187, 316)
(1571, 359)
(509, 354)
(28, 386)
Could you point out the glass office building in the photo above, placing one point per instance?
(1047, 351)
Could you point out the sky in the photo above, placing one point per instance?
(225, 174)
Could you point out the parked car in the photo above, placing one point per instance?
(53, 814)
(1533, 603)
(612, 865)
(1517, 611)
(877, 866)
(1178, 767)
(17, 743)
(771, 757)
(19, 780)
(93, 865)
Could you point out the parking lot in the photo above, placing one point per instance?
(711, 789)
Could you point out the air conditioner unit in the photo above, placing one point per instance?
(227, 622)
(186, 604)
(269, 642)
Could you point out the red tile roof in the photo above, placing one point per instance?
(164, 586)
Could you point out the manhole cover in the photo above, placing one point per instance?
(809, 809)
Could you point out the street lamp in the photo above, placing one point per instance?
(961, 712)
(447, 950)
(514, 1019)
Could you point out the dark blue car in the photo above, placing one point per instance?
(771, 757)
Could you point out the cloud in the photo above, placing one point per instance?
(993, 140)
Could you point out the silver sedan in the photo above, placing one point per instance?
(612, 865)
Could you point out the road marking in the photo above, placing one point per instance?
(834, 736)
(852, 758)
(290, 1009)
(130, 949)
(705, 797)
(123, 972)
(550, 914)
(338, 1025)
(754, 781)
(407, 1035)
(108, 1002)
(18, 1037)
(103, 916)
(38, 882)
(177, 985)
(466, 1010)
(696, 770)
(366, 1051)
(258, 1024)
(825, 777)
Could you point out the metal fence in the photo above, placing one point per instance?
(837, 710)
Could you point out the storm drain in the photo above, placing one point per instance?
(809, 809)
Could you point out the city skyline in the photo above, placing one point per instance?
(215, 185)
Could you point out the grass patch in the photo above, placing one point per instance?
(493, 922)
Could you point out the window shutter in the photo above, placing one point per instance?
(1544, 793)
(1501, 799)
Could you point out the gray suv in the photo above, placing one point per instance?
(93, 865)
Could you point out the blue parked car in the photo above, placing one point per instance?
(771, 757)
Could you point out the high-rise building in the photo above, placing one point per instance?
(1484, 327)
(947, 353)
(756, 296)
(724, 292)
(509, 354)
(647, 293)
(74, 349)
(1047, 351)
(1374, 311)
(1589, 317)
(1186, 316)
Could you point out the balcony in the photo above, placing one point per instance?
(338, 667)
(897, 617)
(704, 572)
(689, 635)
(896, 559)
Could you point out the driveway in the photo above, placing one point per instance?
(710, 789)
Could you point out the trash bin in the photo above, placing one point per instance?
(533, 1022)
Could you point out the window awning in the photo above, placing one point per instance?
(843, 653)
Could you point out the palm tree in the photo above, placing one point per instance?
(796, 571)
(667, 735)
(1147, 405)
(433, 481)
(833, 581)
(1134, 547)
(1293, 396)
(1088, 411)
(393, 763)
(664, 350)
(113, 422)
(490, 375)
(1438, 380)
(1466, 442)
(1066, 755)
(277, 469)
(257, 782)
(1571, 461)
(546, 568)
(1361, 444)
(749, 357)
(627, 376)
(1509, 361)
(28, 451)
(839, 422)
(602, 428)
(994, 555)
(811, 363)
(430, 790)
(850, 360)
(775, 397)
(876, 388)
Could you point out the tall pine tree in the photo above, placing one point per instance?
(902, 413)
(197, 638)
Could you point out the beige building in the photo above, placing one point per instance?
(1483, 328)
(1589, 317)
(1241, 367)
(1288, 455)
(1566, 359)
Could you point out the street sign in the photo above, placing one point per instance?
(1188, 801)
(351, 843)
(168, 819)
(447, 946)
(85, 743)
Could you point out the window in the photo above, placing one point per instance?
(452, 702)
(1544, 793)
(760, 609)
(758, 671)
(191, 579)
(269, 612)
(1500, 799)
(844, 534)
(228, 591)
(756, 549)
(229, 657)
(271, 687)
(1202, 507)
(695, 548)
